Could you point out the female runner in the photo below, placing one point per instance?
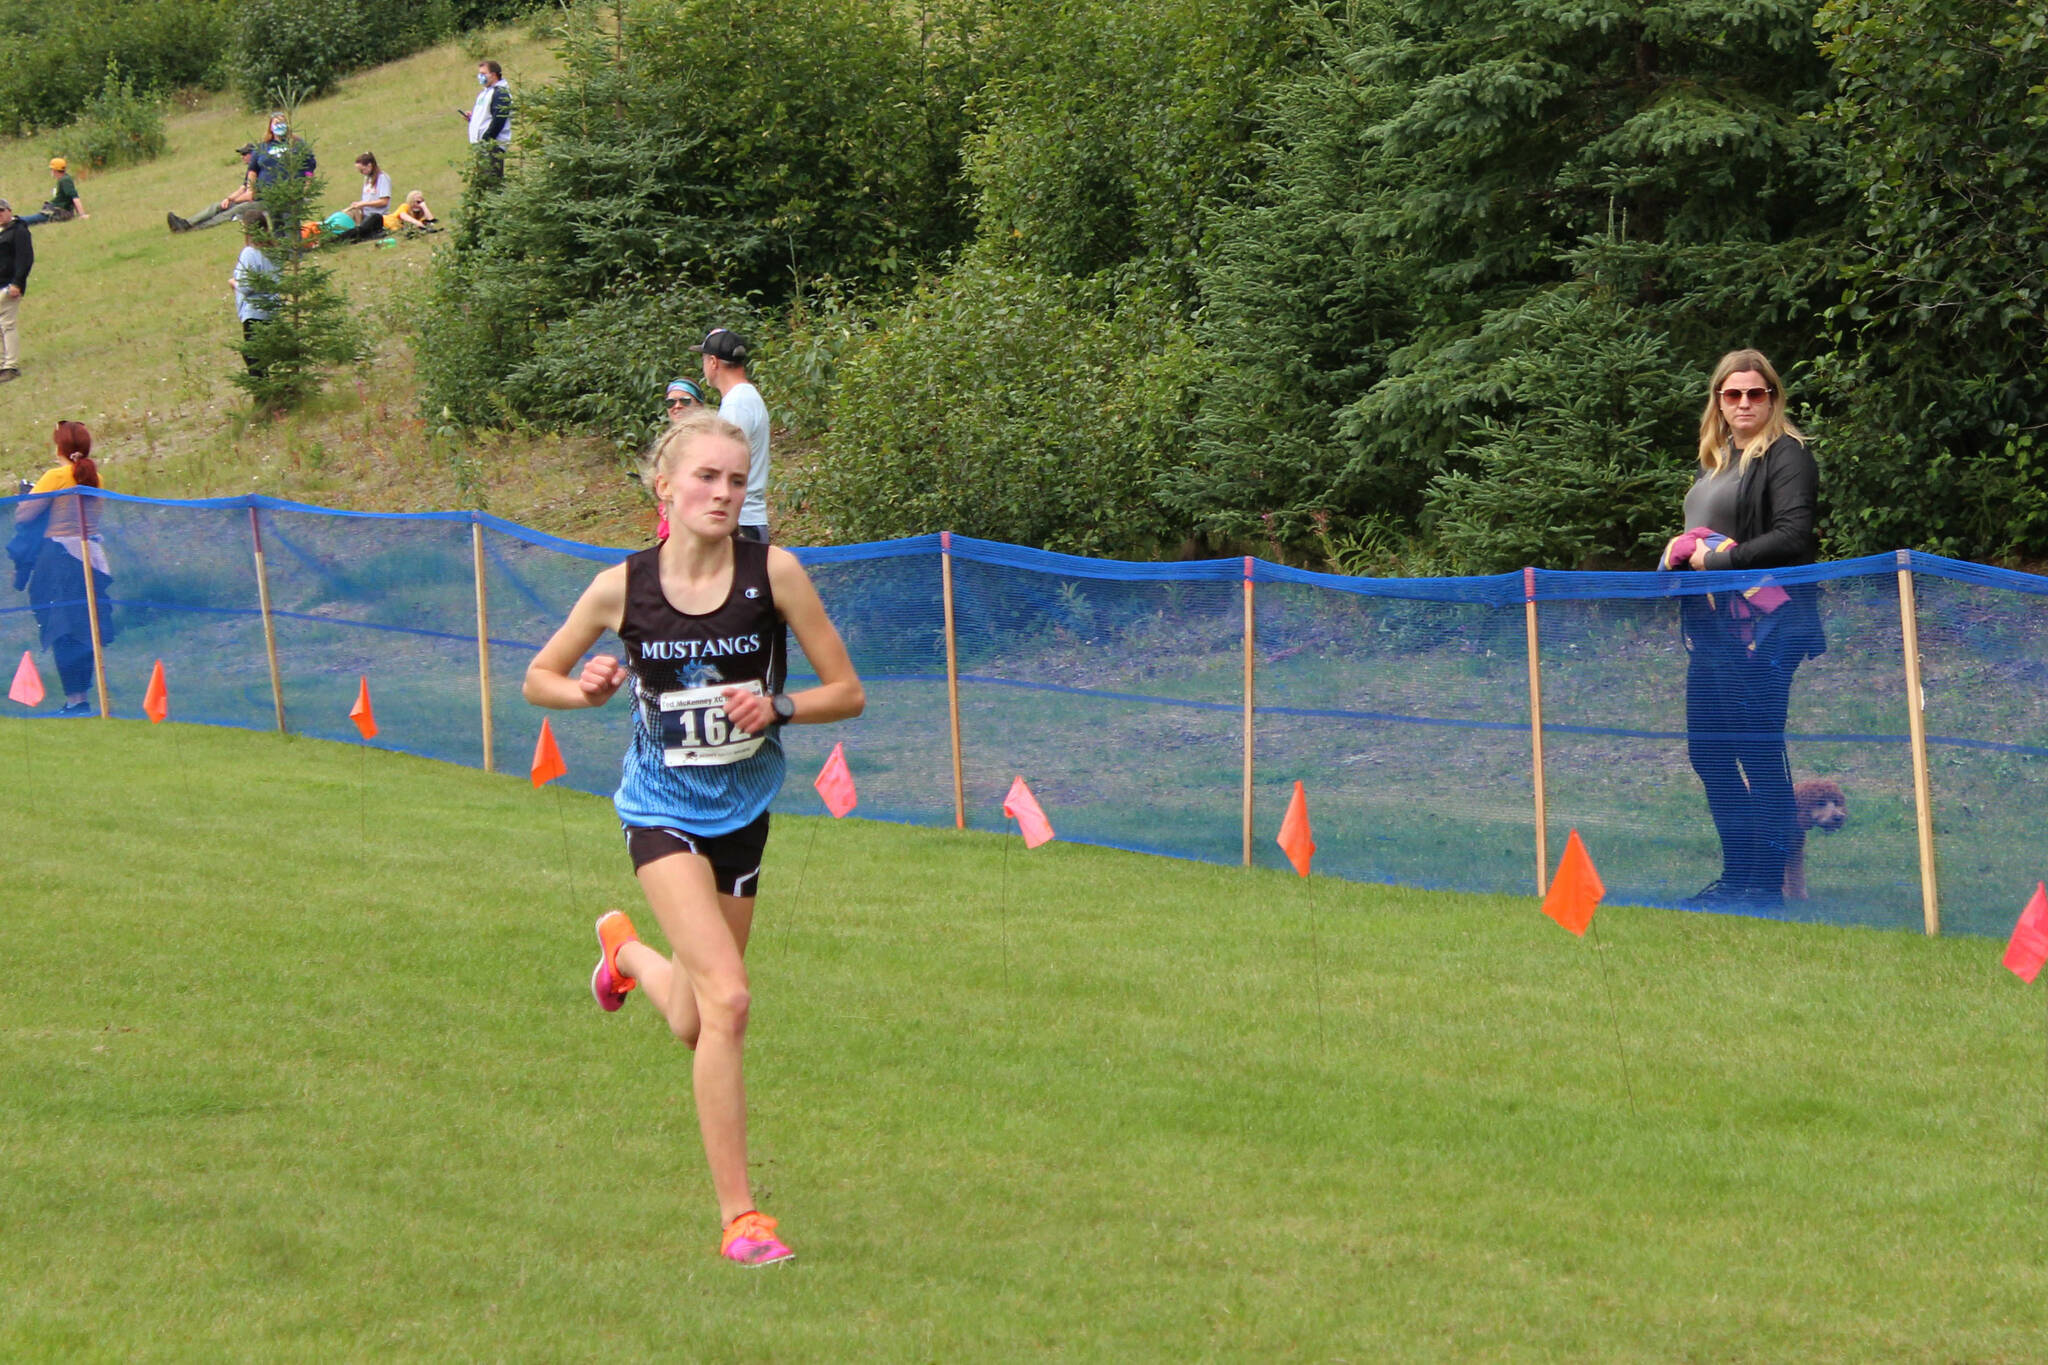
(702, 617)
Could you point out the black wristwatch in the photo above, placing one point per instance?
(785, 707)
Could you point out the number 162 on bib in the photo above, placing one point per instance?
(695, 731)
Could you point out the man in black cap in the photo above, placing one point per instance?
(17, 257)
(739, 402)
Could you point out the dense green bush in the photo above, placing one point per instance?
(1935, 386)
(304, 46)
(607, 365)
(1106, 127)
(799, 353)
(473, 14)
(1587, 462)
(1438, 168)
(1304, 307)
(118, 128)
(1014, 406)
(53, 57)
(657, 162)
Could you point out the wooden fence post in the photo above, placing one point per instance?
(269, 627)
(952, 678)
(1916, 729)
(483, 637)
(92, 607)
(1536, 733)
(1248, 694)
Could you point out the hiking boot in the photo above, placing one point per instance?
(176, 224)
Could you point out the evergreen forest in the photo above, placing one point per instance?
(1389, 286)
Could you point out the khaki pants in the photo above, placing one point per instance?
(9, 305)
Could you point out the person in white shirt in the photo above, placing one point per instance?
(255, 279)
(369, 210)
(739, 402)
(490, 119)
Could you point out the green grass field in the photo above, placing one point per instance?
(300, 1063)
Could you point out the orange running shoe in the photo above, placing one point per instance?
(607, 982)
(750, 1240)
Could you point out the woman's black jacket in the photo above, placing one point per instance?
(1774, 529)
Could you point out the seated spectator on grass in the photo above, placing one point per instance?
(369, 210)
(63, 203)
(266, 162)
(415, 215)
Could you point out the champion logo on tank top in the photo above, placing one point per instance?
(689, 766)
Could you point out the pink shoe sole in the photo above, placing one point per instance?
(752, 1254)
(603, 986)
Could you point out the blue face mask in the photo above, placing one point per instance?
(482, 79)
(279, 129)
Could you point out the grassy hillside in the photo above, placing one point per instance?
(126, 325)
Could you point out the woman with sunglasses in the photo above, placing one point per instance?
(1751, 506)
(684, 398)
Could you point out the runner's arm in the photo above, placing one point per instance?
(601, 608)
(839, 694)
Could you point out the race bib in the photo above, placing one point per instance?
(695, 732)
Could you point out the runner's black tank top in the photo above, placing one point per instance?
(687, 767)
(740, 640)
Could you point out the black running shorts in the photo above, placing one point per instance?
(735, 858)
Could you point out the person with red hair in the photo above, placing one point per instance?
(54, 538)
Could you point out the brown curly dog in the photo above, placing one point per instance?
(1817, 804)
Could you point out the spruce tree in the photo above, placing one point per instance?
(310, 331)
(1656, 164)
(1936, 393)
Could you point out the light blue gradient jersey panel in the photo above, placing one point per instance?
(677, 771)
(709, 800)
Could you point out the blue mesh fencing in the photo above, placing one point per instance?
(1118, 691)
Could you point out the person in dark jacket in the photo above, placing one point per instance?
(17, 258)
(1754, 497)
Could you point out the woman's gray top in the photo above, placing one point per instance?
(1710, 502)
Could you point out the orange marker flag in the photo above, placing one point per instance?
(1576, 888)
(1020, 805)
(835, 783)
(547, 758)
(2028, 948)
(361, 714)
(1296, 839)
(156, 702)
(28, 684)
